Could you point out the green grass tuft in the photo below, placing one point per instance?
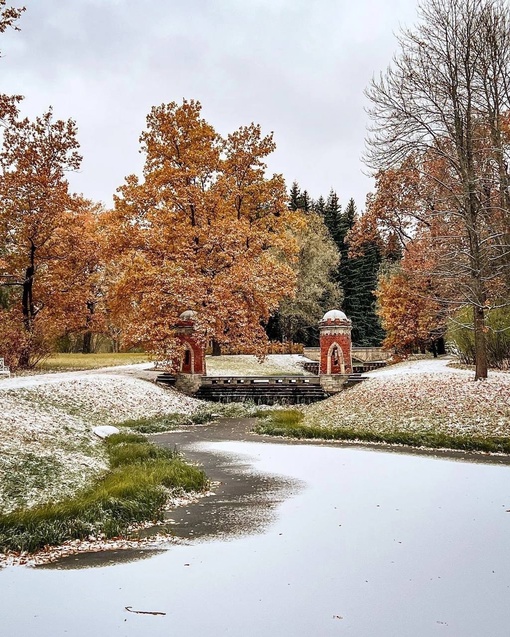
(135, 490)
(289, 423)
(160, 424)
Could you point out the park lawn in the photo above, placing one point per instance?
(247, 365)
(70, 362)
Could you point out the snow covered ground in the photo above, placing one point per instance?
(423, 366)
(423, 395)
(243, 365)
(46, 421)
(18, 382)
(47, 446)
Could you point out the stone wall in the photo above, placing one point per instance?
(333, 383)
(188, 383)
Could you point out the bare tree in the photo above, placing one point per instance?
(444, 101)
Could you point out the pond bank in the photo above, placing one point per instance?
(237, 502)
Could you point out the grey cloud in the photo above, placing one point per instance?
(297, 68)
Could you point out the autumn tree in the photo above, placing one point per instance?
(35, 207)
(441, 110)
(205, 230)
(75, 280)
(9, 17)
(411, 315)
(317, 292)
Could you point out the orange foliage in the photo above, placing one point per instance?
(205, 230)
(409, 315)
(453, 255)
(47, 238)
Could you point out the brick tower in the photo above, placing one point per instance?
(335, 344)
(192, 362)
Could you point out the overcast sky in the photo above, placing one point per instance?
(297, 67)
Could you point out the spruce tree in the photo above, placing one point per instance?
(306, 202)
(357, 276)
(332, 213)
(294, 196)
(319, 206)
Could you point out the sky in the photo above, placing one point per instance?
(296, 67)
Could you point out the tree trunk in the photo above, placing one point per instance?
(27, 306)
(27, 298)
(87, 337)
(216, 348)
(480, 343)
(87, 343)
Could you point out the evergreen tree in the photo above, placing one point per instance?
(294, 196)
(306, 202)
(356, 275)
(319, 206)
(299, 200)
(332, 213)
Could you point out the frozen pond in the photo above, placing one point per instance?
(365, 543)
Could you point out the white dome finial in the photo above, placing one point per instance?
(334, 315)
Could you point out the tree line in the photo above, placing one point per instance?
(202, 228)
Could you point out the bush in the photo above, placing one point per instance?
(461, 336)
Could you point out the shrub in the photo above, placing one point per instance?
(461, 335)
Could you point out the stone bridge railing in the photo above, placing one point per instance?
(364, 354)
(260, 380)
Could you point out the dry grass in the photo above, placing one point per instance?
(69, 362)
(247, 365)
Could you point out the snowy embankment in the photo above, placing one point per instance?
(420, 396)
(47, 447)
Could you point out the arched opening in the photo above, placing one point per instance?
(336, 362)
(188, 360)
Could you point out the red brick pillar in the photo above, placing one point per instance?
(335, 344)
(193, 357)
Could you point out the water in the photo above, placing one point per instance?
(369, 544)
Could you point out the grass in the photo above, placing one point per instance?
(69, 362)
(212, 411)
(290, 423)
(28, 471)
(247, 365)
(134, 491)
(160, 424)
